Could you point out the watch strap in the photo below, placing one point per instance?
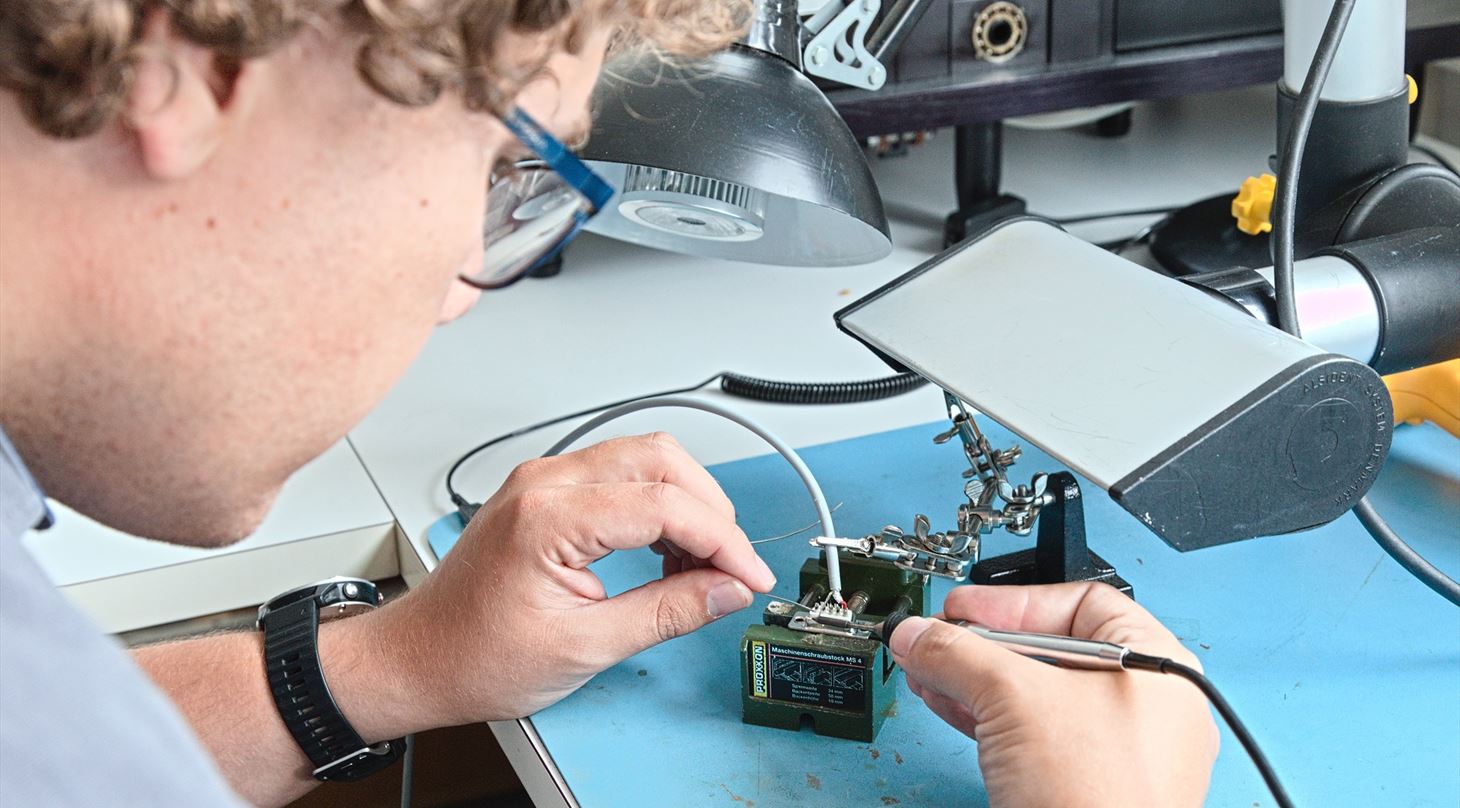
(291, 655)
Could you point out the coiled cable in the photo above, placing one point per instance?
(778, 392)
(735, 384)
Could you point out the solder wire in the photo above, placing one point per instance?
(796, 532)
(823, 510)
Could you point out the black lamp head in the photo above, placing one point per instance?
(738, 156)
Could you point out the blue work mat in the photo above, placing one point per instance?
(1344, 667)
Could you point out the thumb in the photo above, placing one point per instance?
(957, 663)
(667, 608)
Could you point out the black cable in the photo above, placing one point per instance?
(467, 508)
(734, 384)
(776, 392)
(1285, 204)
(407, 772)
(1413, 563)
(1283, 228)
(1119, 246)
(1114, 214)
(1146, 662)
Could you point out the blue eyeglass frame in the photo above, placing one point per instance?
(573, 171)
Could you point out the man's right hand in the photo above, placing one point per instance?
(1055, 737)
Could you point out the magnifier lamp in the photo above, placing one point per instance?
(740, 156)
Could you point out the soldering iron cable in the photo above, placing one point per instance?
(1088, 654)
(823, 511)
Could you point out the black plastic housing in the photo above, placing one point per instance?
(1416, 280)
(1350, 145)
(1293, 454)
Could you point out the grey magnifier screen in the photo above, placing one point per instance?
(1208, 425)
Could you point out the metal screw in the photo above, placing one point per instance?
(351, 590)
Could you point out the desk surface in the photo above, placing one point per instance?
(1346, 669)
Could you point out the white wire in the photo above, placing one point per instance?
(823, 512)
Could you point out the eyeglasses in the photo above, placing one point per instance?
(535, 208)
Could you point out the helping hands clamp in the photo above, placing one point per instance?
(993, 502)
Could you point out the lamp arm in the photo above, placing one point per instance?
(1390, 302)
(901, 19)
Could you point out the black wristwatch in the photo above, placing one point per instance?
(290, 623)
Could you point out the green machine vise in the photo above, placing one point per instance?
(842, 684)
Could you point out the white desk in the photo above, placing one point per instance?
(622, 320)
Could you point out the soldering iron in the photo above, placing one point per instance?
(1097, 655)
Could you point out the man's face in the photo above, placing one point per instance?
(241, 318)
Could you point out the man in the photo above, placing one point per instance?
(226, 226)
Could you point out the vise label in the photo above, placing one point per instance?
(837, 681)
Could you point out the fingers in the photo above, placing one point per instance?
(1091, 610)
(676, 560)
(653, 458)
(598, 519)
(958, 664)
(662, 610)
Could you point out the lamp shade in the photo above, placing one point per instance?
(738, 156)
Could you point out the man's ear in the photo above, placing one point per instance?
(179, 102)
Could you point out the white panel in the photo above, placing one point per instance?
(220, 583)
(329, 495)
(1099, 361)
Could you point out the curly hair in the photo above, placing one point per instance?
(70, 62)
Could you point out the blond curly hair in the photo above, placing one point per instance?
(70, 62)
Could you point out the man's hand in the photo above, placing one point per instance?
(513, 620)
(1054, 737)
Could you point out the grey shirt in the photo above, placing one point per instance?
(80, 724)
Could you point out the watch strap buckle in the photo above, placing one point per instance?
(347, 768)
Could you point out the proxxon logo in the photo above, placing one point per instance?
(759, 684)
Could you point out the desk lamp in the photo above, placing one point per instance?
(740, 156)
